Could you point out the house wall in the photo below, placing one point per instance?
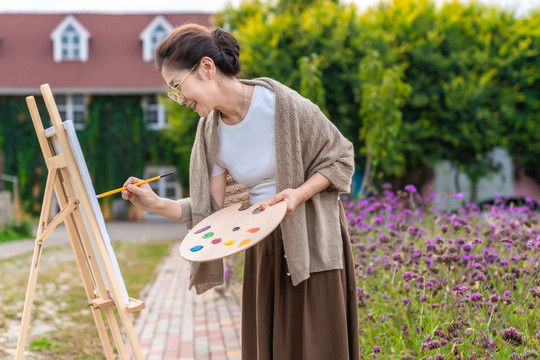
(502, 183)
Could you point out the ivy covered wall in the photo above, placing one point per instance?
(115, 142)
(22, 154)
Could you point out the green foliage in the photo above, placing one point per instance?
(20, 147)
(383, 93)
(181, 135)
(279, 39)
(113, 140)
(15, 231)
(44, 344)
(472, 70)
(311, 80)
(117, 143)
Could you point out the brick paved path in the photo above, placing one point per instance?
(178, 324)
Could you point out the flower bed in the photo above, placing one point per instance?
(434, 284)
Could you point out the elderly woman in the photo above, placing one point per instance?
(299, 287)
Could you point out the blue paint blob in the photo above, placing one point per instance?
(236, 229)
(196, 248)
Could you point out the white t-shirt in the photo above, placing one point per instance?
(248, 149)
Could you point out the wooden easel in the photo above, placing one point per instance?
(65, 180)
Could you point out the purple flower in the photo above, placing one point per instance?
(459, 290)
(512, 336)
(457, 196)
(423, 297)
(534, 243)
(411, 188)
(506, 240)
(480, 277)
(475, 297)
(406, 301)
(433, 344)
(477, 241)
(383, 318)
(431, 246)
(376, 349)
(408, 276)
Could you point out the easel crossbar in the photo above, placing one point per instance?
(58, 219)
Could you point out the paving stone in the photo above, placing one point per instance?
(178, 324)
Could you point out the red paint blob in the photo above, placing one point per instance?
(216, 241)
(253, 230)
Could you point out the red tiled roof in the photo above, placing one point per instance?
(115, 63)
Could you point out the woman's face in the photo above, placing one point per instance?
(189, 88)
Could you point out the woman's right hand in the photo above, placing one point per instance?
(141, 196)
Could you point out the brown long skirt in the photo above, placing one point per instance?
(315, 320)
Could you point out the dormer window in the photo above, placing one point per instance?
(70, 41)
(153, 34)
(158, 34)
(70, 44)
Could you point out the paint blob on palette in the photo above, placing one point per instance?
(230, 231)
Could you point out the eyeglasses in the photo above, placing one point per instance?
(174, 93)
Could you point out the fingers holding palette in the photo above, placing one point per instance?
(230, 230)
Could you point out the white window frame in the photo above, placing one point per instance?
(148, 34)
(156, 107)
(69, 108)
(161, 186)
(58, 45)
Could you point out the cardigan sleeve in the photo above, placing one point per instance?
(187, 217)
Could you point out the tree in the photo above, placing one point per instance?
(473, 72)
(383, 94)
(311, 80)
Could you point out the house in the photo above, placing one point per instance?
(84, 55)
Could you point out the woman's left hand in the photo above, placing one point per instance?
(293, 198)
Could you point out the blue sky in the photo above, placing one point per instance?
(520, 6)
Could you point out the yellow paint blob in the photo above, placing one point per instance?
(229, 242)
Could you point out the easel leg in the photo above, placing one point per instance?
(117, 336)
(34, 269)
(75, 237)
(130, 333)
(30, 290)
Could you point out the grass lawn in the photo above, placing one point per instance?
(62, 326)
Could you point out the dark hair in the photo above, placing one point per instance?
(188, 44)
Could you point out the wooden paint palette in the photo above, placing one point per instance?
(230, 230)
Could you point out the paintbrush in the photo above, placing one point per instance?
(136, 184)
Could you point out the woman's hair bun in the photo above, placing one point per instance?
(189, 43)
(229, 58)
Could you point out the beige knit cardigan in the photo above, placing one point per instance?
(306, 143)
